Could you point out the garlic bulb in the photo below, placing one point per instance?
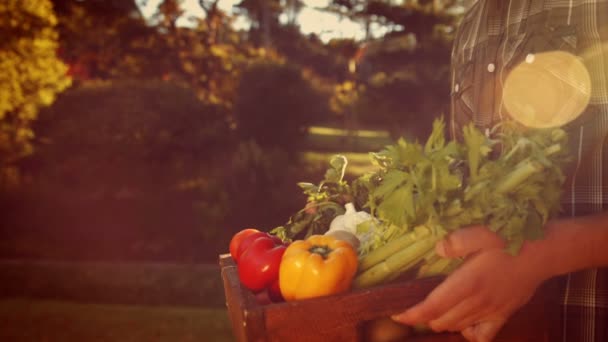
(349, 220)
(343, 235)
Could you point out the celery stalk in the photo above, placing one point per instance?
(420, 261)
(436, 267)
(396, 263)
(552, 149)
(382, 253)
(519, 175)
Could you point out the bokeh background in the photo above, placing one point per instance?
(136, 137)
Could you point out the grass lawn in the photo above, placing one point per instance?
(335, 139)
(46, 320)
(324, 142)
(145, 284)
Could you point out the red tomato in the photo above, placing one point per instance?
(249, 239)
(237, 239)
(258, 265)
(246, 242)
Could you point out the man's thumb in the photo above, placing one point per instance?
(465, 241)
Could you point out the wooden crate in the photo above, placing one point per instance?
(343, 317)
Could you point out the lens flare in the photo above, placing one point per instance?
(548, 89)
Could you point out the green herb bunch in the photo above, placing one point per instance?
(509, 180)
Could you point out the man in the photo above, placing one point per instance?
(495, 39)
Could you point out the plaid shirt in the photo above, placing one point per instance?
(493, 37)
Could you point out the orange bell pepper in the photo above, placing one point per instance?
(318, 266)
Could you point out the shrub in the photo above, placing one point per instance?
(275, 105)
(259, 185)
(128, 136)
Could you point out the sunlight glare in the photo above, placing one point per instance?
(548, 89)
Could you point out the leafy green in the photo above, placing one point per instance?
(477, 146)
(509, 180)
(332, 185)
(325, 201)
(398, 206)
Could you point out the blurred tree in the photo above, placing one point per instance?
(326, 60)
(104, 137)
(291, 9)
(207, 56)
(103, 39)
(264, 18)
(30, 76)
(401, 79)
(155, 146)
(275, 105)
(111, 40)
(420, 16)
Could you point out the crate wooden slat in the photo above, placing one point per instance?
(340, 317)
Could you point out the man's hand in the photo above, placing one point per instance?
(479, 297)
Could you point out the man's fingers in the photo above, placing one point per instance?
(486, 331)
(465, 241)
(483, 331)
(432, 307)
(445, 296)
(419, 313)
(462, 315)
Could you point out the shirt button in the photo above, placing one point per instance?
(491, 67)
(530, 58)
(456, 88)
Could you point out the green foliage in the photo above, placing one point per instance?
(460, 184)
(30, 75)
(105, 39)
(207, 57)
(406, 83)
(258, 187)
(401, 78)
(264, 16)
(211, 70)
(275, 105)
(327, 60)
(104, 136)
(148, 155)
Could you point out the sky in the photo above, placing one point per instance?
(325, 25)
